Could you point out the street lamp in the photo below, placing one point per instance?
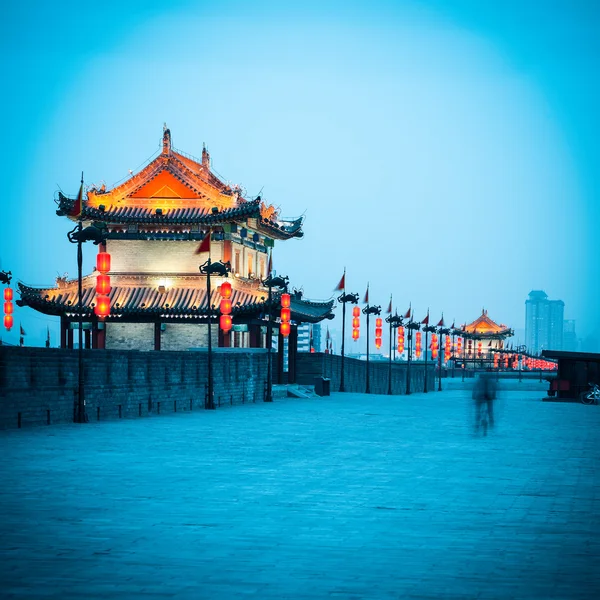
(369, 310)
(78, 236)
(394, 321)
(442, 331)
(212, 268)
(427, 329)
(412, 326)
(282, 282)
(353, 299)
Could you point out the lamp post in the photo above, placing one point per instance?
(212, 268)
(271, 282)
(343, 298)
(411, 326)
(78, 236)
(427, 329)
(442, 331)
(464, 336)
(394, 321)
(369, 310)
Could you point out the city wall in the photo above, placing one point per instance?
(38, 386)
(314, 365)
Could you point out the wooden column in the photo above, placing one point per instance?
(157, 333)
(64, 326)
(280, 344)
(292, 353)
(87, 344)
(101, 339)
(69, 337)
(95, 335)
(254, 335)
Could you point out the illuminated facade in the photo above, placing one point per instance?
(153, 224)
(481, 338)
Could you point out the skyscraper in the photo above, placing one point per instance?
(543, 322)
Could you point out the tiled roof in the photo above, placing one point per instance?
(146, 302)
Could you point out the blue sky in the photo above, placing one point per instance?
(446, 152)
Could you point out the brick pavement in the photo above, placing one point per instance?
(347, 497)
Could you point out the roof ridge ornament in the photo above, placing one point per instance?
(205, 157)
(166, 140)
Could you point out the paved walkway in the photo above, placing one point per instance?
(347, 497)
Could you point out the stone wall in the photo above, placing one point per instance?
(39, 386)
(314, 365)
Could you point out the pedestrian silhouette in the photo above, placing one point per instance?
(484, 395)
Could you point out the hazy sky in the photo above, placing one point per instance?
(444, 151)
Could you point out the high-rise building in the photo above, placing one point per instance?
(570, 342)
(309, 336)
(543, 322)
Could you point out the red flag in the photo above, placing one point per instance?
(490, 344)
(78, 206)
(441, 323)
(22, 330)
(425, 321)
(389, 310)
(204, 244)
(366, 298)
(407, 315)
(342, 284)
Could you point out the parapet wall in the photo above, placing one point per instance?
(314, 365)
(39, 386)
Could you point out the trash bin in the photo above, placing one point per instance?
(322, 386)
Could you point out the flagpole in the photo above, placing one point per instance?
(342, 383)
(390, 357)
(426, 346)
(408, 358)
(81, 399)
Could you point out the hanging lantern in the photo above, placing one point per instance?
(225, 323)
(479, 345)
(225, 306)
(102, 308)
(8, 322)
(459, 343)
(285, 315)
(378, 331)
(377, 343)
(495, 361)
(355, 323)
(103, 262)
(285, 328)
(8, 308)
(103, 285)
(285, 300)
(418, 344)
(225, 290)
(8, 293)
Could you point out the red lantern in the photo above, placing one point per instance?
(285, 300)
(225, 290)
(356, 312)
(8, 308)
(8, 322)
(8, 293)
(103, 262)
(355, 334)
(356, 322)
(418, 344)
(225, 306)
(103, 285)
(225, 323)
(102, 308)
(285, 328)
(378, 322)
(285, 315)
(378, 332)
(377, 343)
